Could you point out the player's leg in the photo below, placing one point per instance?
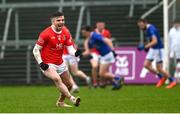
(117, 81)
(66, 78)
(75, 88)
(103, 71)
(148, 65)
(53, 74)
(159, 59)
(73, 66)
(94, 61)
(68, 83)
(60, 102)
(105, 63)
(166, 75)
(67, 60)
(151, 55)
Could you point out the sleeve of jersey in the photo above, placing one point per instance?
(98, 37)
(108, 34)
(68, 40)
(152, 33)
(42, 39)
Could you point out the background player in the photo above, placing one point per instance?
(72, 63)
(174, 41)
(48, 53)
(101, 29)
(94, 60)
(155, 47)
(105, 48)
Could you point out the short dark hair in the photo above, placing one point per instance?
(56, 14)
(87, 28)
(142, 20)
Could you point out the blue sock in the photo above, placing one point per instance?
(115, 83)
(116, 78)
(171, 79)
(159, 75)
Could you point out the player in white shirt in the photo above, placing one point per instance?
(174, 41)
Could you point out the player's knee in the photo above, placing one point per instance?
(94, 66)
(147, 66)
(75, 73)
(56, 79)
(101, 74)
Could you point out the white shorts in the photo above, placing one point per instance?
(70, 60)
(108, 58)
(95, 56)
(59, 68)
(155, 55)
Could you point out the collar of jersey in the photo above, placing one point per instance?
(55, 30)
(148, 25)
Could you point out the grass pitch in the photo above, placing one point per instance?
(132, 98)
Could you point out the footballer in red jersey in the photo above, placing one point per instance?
(48, 53)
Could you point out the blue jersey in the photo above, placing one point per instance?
(153, 31)
(96, 41)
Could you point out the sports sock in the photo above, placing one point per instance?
(171, 79)
(159, 75)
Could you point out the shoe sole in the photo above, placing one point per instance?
(78, 102)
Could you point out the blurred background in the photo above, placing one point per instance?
(21, 21)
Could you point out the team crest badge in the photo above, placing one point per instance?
(59, 37)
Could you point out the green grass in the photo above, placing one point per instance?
(128, 99)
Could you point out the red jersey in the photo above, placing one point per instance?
(105, 33)
(53, 44)
(65, 51)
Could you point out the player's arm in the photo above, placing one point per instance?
(87, 51)
(37, 48)
(73, 51)
(109, 43)
(152, 43)
(71, 48)
(36, 52)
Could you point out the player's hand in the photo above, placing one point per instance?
(146, 49)
(78, 53)
(44, 66)
(141, 47)
(114, 53)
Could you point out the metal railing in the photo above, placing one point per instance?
(29, 45)
(61, 4)
(6, 31)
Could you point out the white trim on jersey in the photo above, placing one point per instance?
(71, 50)
(36, 52)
